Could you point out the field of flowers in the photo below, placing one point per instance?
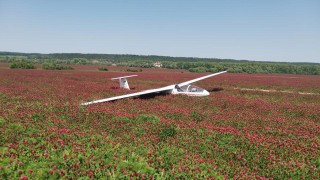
(233, 133)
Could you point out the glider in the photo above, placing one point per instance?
(183, 88)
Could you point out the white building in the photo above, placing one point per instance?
(157, 64)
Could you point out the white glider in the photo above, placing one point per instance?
(183, 88)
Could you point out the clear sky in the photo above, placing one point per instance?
(270, 30)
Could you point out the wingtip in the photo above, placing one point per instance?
(85, 104)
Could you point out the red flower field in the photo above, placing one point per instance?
(239, 131)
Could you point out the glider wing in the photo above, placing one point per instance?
(200, 78)
(159, 90)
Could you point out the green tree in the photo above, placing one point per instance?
(22, 65)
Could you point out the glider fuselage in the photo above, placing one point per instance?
(189, 90)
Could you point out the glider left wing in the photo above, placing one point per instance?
(167, 88)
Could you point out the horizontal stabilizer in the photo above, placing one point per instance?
(123, 77)
(123, 81)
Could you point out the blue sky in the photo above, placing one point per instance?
(270, 30)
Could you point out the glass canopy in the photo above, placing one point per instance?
(189, 88)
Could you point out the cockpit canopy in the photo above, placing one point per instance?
(189, 88)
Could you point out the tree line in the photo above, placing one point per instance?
(188, 63)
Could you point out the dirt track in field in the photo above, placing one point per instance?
(273, 90)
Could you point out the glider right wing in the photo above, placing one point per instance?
(200, 78)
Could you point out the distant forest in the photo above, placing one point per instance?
(188, 63)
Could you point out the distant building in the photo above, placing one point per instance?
(95, 62)
(157, 64)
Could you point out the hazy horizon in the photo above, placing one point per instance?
(277, 31)
(253, 60)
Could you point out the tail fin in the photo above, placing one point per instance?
(123, 81)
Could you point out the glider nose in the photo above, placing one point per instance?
(206, 93)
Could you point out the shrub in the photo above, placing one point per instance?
(134, 70)
(199, 69)
(22, 65)
(54, 66)
(103, 69)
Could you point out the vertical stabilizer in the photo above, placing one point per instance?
(123, 81)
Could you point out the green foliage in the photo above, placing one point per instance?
(22, 65)
(103, 69)
(54, 66)
(167, 132)
(1, 121)
(124, 120)
(138, 166)
(198, 69)
(191, 64)
(134, 70)
(82, 61)
(148, 118)
(196, 116)
(317, 162)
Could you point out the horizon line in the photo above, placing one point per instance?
(267, 61)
